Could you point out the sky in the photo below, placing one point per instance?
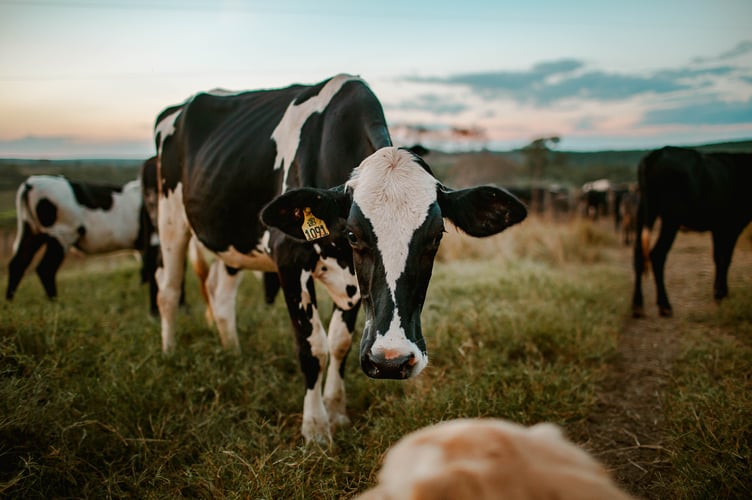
(87, 78)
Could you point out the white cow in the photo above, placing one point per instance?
(59, 214)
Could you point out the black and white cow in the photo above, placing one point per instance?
(698, 191)
(224, 157)
(595, 196)
(58, 214)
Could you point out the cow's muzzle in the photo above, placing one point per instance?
(389, 366)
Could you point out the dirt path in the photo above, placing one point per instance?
(627, 431)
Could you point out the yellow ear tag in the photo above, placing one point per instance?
(313, 227)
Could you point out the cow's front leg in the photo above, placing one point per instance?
(341, 329)
(310, 338)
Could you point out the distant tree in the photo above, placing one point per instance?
(537, 158)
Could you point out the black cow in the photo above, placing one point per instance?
(701, 192)
(595, 196)
(224, 157)
(57, 213)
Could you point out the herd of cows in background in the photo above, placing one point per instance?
(304, 184)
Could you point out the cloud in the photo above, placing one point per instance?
(514, 84)
(742, 48)
(435, 103)
(713, 112)
(555, 81)
(602, 86)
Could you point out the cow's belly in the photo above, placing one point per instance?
(99, 240)
(256, 260)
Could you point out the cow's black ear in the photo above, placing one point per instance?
(288, 211)
(481, 211)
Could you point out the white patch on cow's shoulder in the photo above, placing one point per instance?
(287, 133)
(394, 194)
(164, 129)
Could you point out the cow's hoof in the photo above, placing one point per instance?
(638, 312)
(317, 432)
(337, 420)
(337, 411)
(665, 312)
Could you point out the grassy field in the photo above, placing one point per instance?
(522, 326)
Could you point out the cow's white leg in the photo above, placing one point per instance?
(339, 340)
(315, 426)
(315, 418)
(174, 235)
(222, 288)
(310, 337)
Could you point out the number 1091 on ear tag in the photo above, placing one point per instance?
(313, 227)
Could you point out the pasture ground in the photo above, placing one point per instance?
(659, 405)
(533, 325)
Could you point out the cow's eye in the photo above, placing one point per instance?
(352, 238)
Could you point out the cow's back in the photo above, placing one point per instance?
(237, 152)
(697, 190)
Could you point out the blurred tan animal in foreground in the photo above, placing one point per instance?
(483, 459)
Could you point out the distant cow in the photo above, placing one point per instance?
(58, 214)
(626, 203)
(490, 459)
(701, 192)
(595, 196)
(224, 157)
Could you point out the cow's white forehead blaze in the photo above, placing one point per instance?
(395, 195)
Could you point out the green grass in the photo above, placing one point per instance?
(90, 408)
(710, 405)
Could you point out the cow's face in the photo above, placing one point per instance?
(394, 227)
(394, 212)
